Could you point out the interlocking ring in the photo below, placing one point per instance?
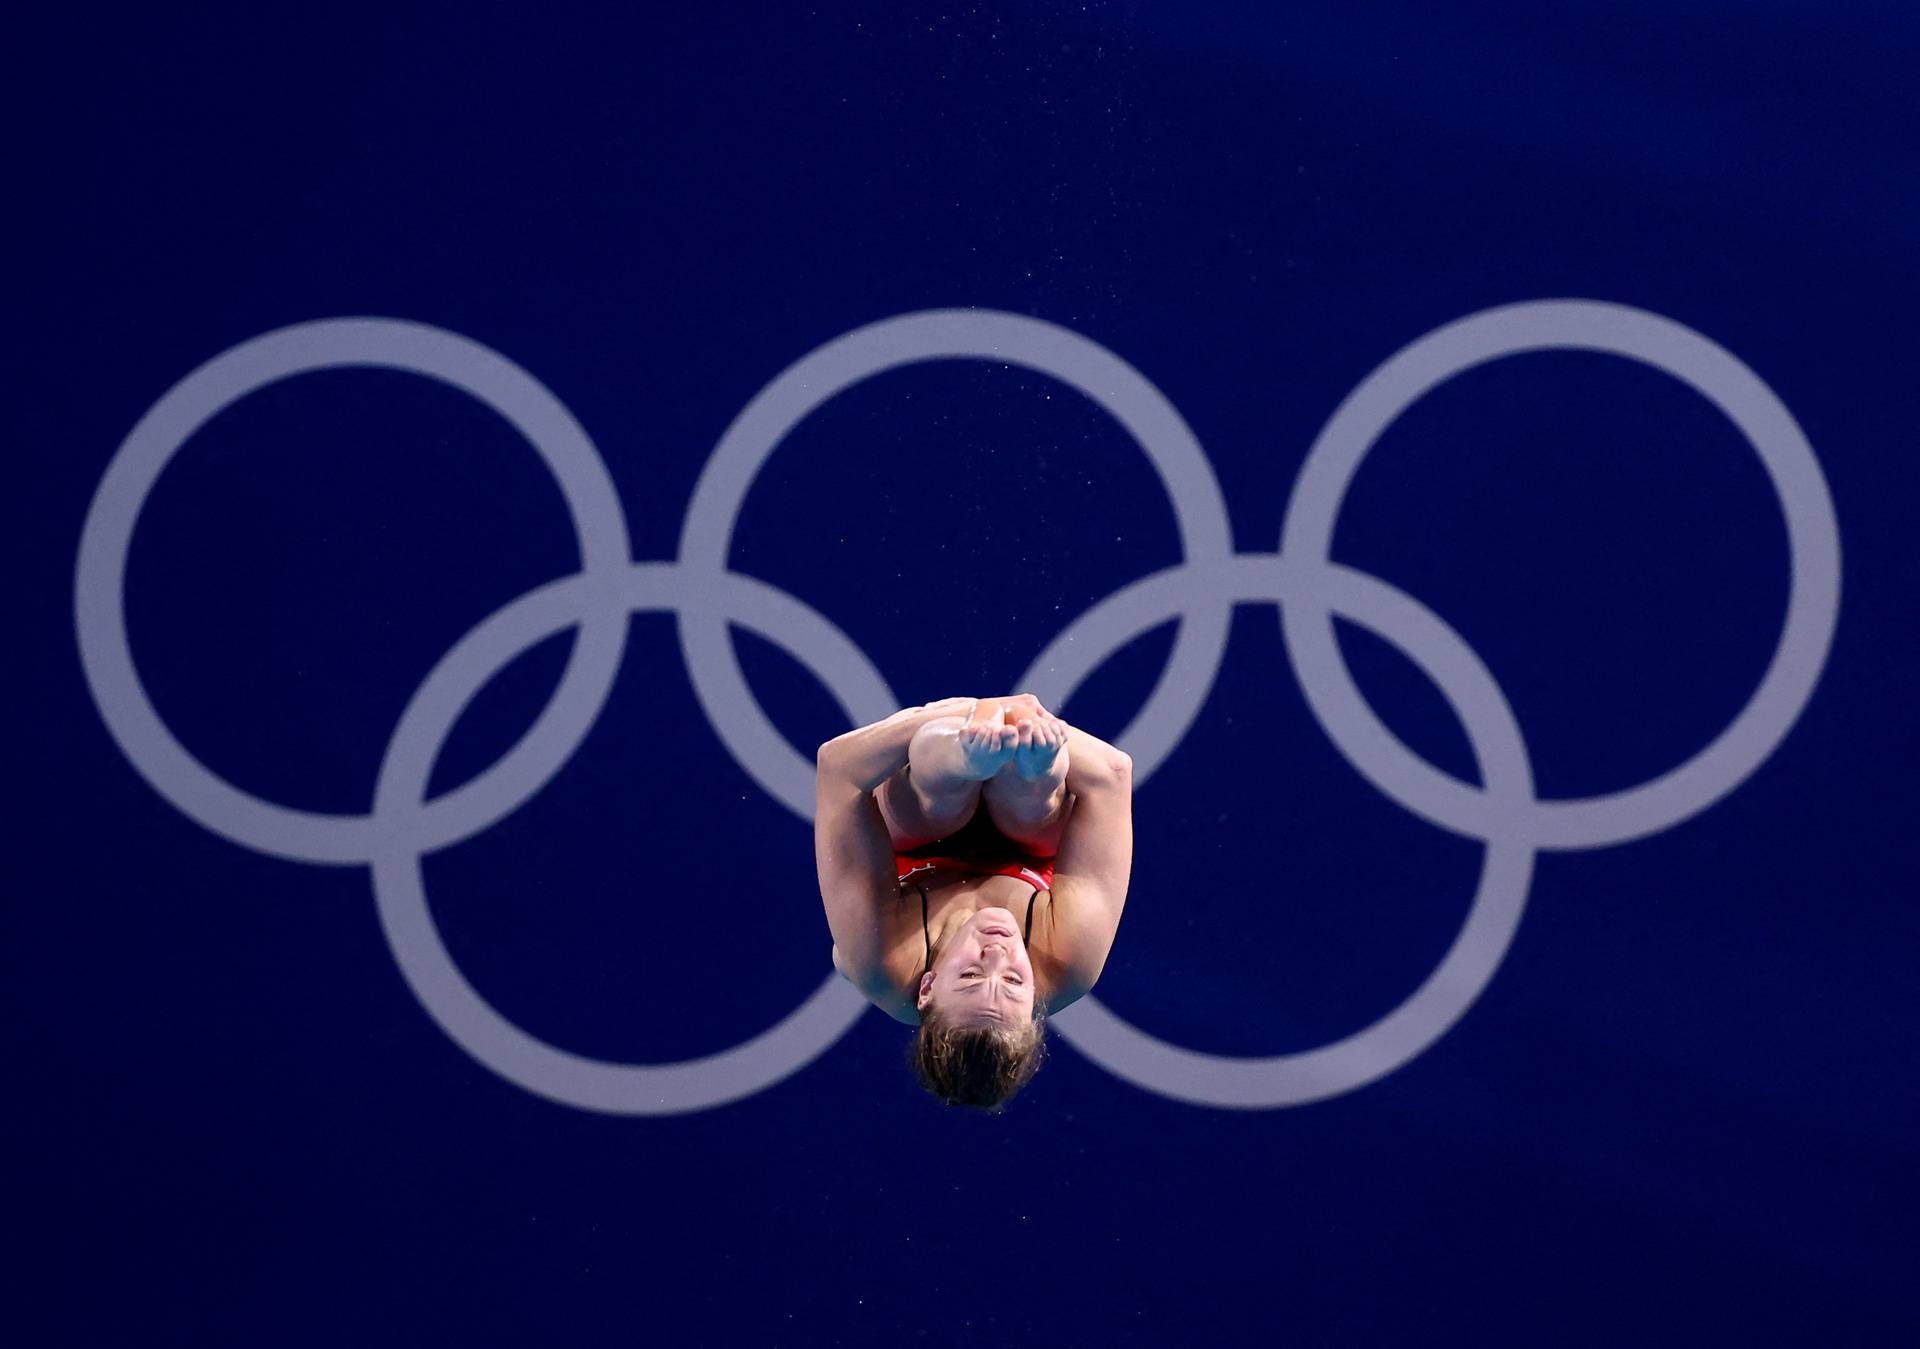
(705, 596)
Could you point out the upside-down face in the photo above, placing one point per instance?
(982, 975)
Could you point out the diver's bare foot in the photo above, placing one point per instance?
(985, 747)
(1040, 748)
(1028, 801)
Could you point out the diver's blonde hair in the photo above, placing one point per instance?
(977, 1066)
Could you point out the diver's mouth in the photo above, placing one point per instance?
(995, 930)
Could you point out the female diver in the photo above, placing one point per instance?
(974, 856)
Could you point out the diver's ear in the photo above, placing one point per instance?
(925, 995)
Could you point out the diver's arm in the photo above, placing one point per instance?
(1094, 866)
(854, 857)
(868, 756)
(1091, 759)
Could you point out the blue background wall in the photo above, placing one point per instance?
(1685, 1107)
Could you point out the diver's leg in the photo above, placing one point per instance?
(1028, 798)
(938, 791)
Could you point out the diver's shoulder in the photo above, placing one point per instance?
(1064, 959)
(881, 986)
(1060, 986)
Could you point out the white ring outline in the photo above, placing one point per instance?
(1813, 540)
(1252, 1082)
(598, 599)
(1129, 397)
(106, 657)
(399, 890)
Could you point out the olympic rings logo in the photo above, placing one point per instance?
(1306, 586)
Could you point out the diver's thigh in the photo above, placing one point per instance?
(1037, 823)
(913, 818)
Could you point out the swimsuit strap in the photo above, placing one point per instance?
(924, 935)
(927, 937)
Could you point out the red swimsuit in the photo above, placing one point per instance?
(977, 849)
